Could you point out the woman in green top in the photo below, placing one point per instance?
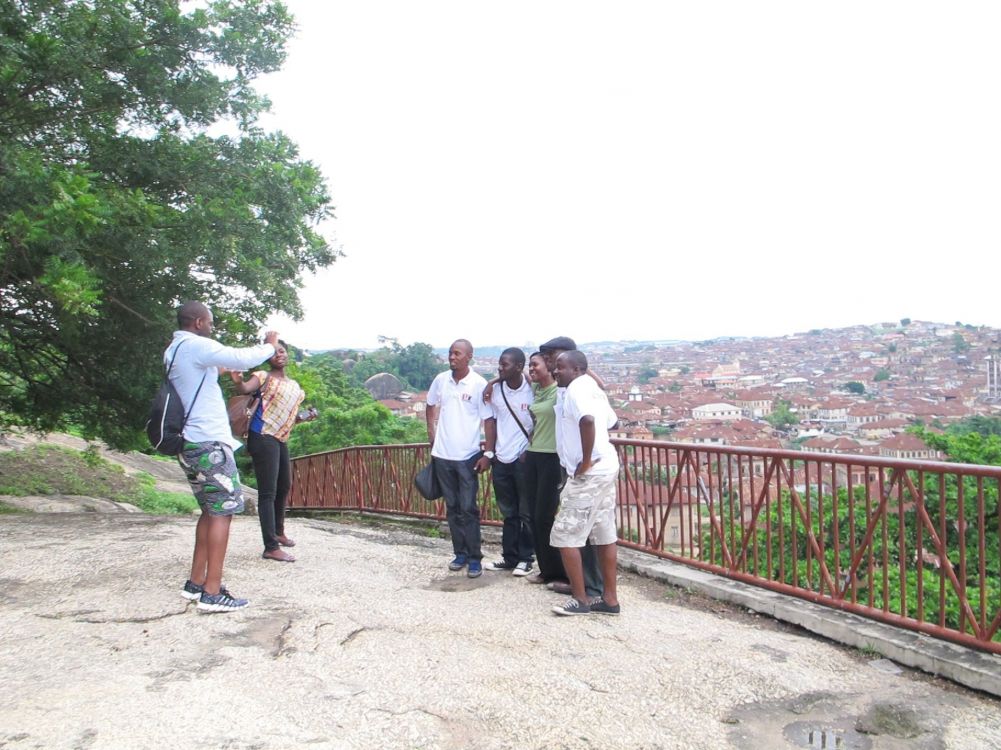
(543, 475)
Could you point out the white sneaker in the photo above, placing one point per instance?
(497, 565)
(522, 569)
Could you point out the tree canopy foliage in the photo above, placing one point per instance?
(782, 416)
(416, 365)
(348, 415)
(119, 199)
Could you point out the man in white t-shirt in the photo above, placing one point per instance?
(507, 434)
(455, 412)
(207, 456)
(593, 583)
(587, 502)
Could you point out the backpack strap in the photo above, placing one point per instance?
(166, 378)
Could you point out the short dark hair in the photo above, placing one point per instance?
(577, 359)
(515, 354)
(189, 312)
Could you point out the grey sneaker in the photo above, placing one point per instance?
(221, 602)
(499, 565)
(522, 569)
(192, 591)
(572, 607)
(599, 607)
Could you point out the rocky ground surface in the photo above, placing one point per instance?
(369, 642)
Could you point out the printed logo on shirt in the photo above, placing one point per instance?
(467, 397)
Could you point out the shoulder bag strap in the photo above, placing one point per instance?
(508, 405)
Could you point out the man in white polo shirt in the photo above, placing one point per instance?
(455, 411)
(507, 432)
(587, 502)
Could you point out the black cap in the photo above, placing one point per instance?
(560, 342)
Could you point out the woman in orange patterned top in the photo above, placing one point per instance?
(267, 442)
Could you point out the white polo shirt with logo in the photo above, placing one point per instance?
(511, 441)
(460, 414)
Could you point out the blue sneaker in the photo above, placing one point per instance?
(475, 570)
(221, 602)
(458, 563)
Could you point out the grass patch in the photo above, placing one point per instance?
(54, 470)
(5, 509)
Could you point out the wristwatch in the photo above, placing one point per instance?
(489, 454)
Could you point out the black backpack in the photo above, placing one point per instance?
(165, 426)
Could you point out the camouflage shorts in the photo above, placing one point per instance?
(587, 511)
(213, 477)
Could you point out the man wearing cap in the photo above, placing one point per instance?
(593, 583)
(587, 502)
(455, 411)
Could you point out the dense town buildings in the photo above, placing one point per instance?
(849, 390)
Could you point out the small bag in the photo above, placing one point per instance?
(426, 482)
(167, 418)
(241, 410)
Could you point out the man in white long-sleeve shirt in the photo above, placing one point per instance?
(207, 457)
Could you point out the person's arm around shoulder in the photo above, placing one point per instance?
(597, 380)
(488, 392)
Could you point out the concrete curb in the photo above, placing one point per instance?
(968, 667)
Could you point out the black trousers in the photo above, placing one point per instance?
(273, 470)
(543, 480)
(542, 488)
(512, 502)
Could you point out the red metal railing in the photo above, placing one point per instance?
(912, 543)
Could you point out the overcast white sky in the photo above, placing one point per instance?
(508, 172)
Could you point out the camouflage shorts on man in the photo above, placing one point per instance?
(214, 479)
(587, 511)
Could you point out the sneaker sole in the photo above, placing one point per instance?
(473, 574)
(605, 612)
(520, 573)
(210, 608)
(191, 597)
(565, 613)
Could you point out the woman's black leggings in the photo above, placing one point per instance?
(273, 470)
(543, 478)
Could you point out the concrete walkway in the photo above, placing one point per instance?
(369, 642)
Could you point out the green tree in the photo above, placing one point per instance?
(646, 374)
(881, 375)
(904, 322)
(782, 416)
(979, 424)
(855, 386)
(348, 415)
(118, 202)
(416, 365)
(959, 344)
